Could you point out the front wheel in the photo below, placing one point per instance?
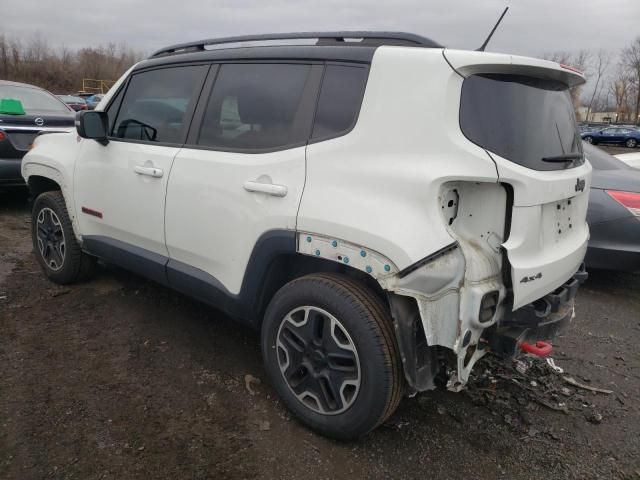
(631, 143)
(330, 353)
(54, 242)
(588, 139)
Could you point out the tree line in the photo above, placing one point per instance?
(61, 70)
(614, 77)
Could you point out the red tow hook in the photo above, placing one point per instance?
(540, 349)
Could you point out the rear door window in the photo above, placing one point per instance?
(522, 119)
(256, 107)
(157, 104)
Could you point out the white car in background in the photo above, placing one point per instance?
(631, 159)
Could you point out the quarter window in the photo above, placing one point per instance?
(255, 106)
(155, 105)
(340, 99)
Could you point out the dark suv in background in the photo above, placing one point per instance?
(37, 111)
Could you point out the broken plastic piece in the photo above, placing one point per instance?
(553, 365)
(540, 349)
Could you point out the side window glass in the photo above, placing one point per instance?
(340, 98)
(155, 104)
(255, 106)
(114, 105)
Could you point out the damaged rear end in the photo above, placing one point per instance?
(509, 277)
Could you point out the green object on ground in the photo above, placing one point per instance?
(11, 106)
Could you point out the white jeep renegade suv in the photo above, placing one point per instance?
(383, 209)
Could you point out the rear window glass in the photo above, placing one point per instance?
(34, 100)
(522, 119)
(340, 99)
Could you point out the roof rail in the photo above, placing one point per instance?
(324, 38)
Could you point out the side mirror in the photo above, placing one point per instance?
(93, 125)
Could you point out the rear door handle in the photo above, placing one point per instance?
(150, 171)
(268, 188)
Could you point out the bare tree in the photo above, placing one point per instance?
(619, 88)
(631, 59)
(601, 63)
(61, 70)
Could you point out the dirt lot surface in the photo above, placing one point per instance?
(120, 378)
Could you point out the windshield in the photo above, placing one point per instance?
(33, 99)
(522, 119)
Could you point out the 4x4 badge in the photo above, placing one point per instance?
(532, 278)
(580, 184)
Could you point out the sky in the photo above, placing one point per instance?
(531, 27)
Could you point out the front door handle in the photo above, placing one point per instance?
(150, 171)
(268, 188)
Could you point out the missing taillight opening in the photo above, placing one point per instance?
(630, 200)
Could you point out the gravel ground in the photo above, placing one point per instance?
(121, 378)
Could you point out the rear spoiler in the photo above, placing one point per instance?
(468, 63)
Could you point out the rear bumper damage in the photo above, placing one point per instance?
(541, 320)
(482, 324)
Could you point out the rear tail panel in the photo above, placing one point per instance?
(520, 111)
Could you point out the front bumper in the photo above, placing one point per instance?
(543, 319)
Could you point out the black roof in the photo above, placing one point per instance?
(289, 52)
(332, 46)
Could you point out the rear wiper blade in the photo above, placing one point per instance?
(566, 157)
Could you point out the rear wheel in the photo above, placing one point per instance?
(54, 242)
(330, 352)
(588, 139)
(631, 143)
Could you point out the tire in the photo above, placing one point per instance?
(589, 139)
(54, 242)
(333, 339)
(631, 143)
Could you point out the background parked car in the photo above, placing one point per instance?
(631, 159)
(630, 137)
(614, 213)
(76, 103)
(25, 111)
(93, 100)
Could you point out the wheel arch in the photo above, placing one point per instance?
(42, 178)
(285, 267)
(39, 184)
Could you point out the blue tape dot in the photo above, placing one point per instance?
(368, 269)
(345, 259)
(387, 268)
(317, 253)
(334, 244)
(309, 239)
(363, 253)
